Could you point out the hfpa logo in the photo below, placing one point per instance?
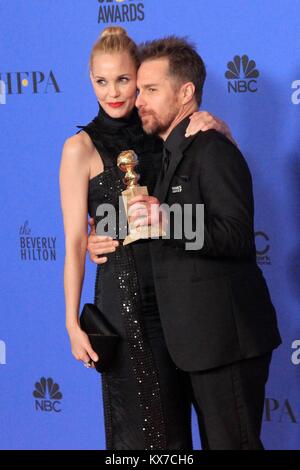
(48, 395)
(279, 411)
(18, 83)
(241, 75)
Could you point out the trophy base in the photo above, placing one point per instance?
(142, 232)
(145, 232)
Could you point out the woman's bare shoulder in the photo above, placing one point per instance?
(76, 156)
(79, 144)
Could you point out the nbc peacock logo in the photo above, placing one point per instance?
(121, 11)
(242, 74)
(47, 395)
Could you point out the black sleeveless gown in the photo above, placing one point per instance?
(145, 401)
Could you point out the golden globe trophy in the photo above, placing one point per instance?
(127, 161)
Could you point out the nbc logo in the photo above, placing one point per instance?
(296, 94)
(241, 75)
(295, 358)
(47, 395)
(2, 352)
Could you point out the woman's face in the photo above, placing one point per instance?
(114, 81)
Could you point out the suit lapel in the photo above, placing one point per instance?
(163, 184)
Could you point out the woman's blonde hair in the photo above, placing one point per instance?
(115, 39)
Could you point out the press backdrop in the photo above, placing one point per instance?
(251, 50)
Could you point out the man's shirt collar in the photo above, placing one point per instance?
(177, 136)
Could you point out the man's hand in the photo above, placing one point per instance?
(99, 245)
(146, 210)
(203, 121)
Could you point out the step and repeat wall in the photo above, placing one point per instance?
(251, 50)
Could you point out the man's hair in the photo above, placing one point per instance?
(185, 64)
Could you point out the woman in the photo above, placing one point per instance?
(145, 406)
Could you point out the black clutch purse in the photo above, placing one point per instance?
(102, 336)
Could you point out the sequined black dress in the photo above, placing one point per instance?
(144, 397)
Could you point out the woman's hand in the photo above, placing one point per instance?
(81, 346)
(203, 121)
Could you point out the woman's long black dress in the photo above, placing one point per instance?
(145, 402)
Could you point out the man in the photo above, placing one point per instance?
(216, 313)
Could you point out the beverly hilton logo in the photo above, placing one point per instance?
(241, 75)
(21, 83)
(113, 11)
(36, 248)
(47, 395)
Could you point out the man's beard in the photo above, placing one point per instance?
(155, 126)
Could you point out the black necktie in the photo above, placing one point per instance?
(165, 162)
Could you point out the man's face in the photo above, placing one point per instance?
(157, 101)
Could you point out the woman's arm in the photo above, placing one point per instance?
(74, 179)
(203, 121)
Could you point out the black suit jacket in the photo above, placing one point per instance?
(214, 303)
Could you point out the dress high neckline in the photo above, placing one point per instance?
(118, 123)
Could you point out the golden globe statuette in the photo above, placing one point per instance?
(127, 161)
